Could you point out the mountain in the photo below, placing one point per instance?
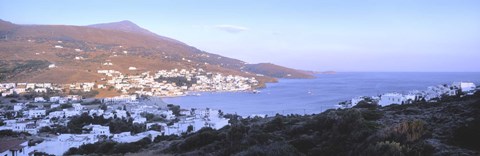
(79, 51)
(130, 27)
(125, 26)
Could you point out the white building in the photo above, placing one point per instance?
(54, 98)
(54, 105)
(77, 106)
(39, 99)
(36, 113)
(122, 98)
(466, 87)
(56, 114)
(71, 112)
(41, 90)
(98, 112)
(18, 106)
(62, 100)
(140, 120)
(391, 98)
(121, 114)
(98, 129)
(13, 147)
(356, 100)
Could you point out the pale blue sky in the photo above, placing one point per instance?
(349, 35)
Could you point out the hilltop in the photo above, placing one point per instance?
(79, 51)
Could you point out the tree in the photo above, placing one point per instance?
(189, 128)
(220, 113)
(175, 109)
(103, 107)
(156, 127)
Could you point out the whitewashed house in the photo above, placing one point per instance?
(98, 112)
(54, 98)
(121, 113)
(54, 105)
(30, 86)
(356, 100)
(6, 93)
(98, 130)
(139, 120)
(13, 147)
(466, 87)
(71, 112)
(18, 106)
(56, 114)
(19, 90)
(36, 113)
(39, 99)
(74, 97)
(77, 106)
(62, 100)
(391, 98)
(20, 126)
(40, 90)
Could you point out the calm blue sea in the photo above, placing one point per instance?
(309, 96)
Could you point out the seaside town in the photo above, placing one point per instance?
(432, 94)
(175, 82)
(53, 118)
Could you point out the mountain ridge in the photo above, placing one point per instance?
(130, 27)
(123, 46)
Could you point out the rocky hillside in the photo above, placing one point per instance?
(79, 51)
(448, 127)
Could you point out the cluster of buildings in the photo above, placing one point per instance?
(176, 82)
(432, 94)
(19, 88)
(30, 117)
(48, 110)
(7, 89)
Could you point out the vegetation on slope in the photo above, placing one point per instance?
(444, 128)
(9, 69)
(448, 127)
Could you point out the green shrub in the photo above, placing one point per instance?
(386, 148)
(275, 149)
(204, 137)
(468, 135)
(372, 114)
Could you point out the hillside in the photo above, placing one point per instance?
(276, 71)
(448, 127)
(79, 51)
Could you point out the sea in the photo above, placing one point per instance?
(312, 96)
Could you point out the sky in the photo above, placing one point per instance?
(320, 35)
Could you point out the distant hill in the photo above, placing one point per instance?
(79, 51)
(276, 71)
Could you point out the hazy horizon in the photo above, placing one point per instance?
(347, 36)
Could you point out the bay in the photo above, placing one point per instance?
(308, 96)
